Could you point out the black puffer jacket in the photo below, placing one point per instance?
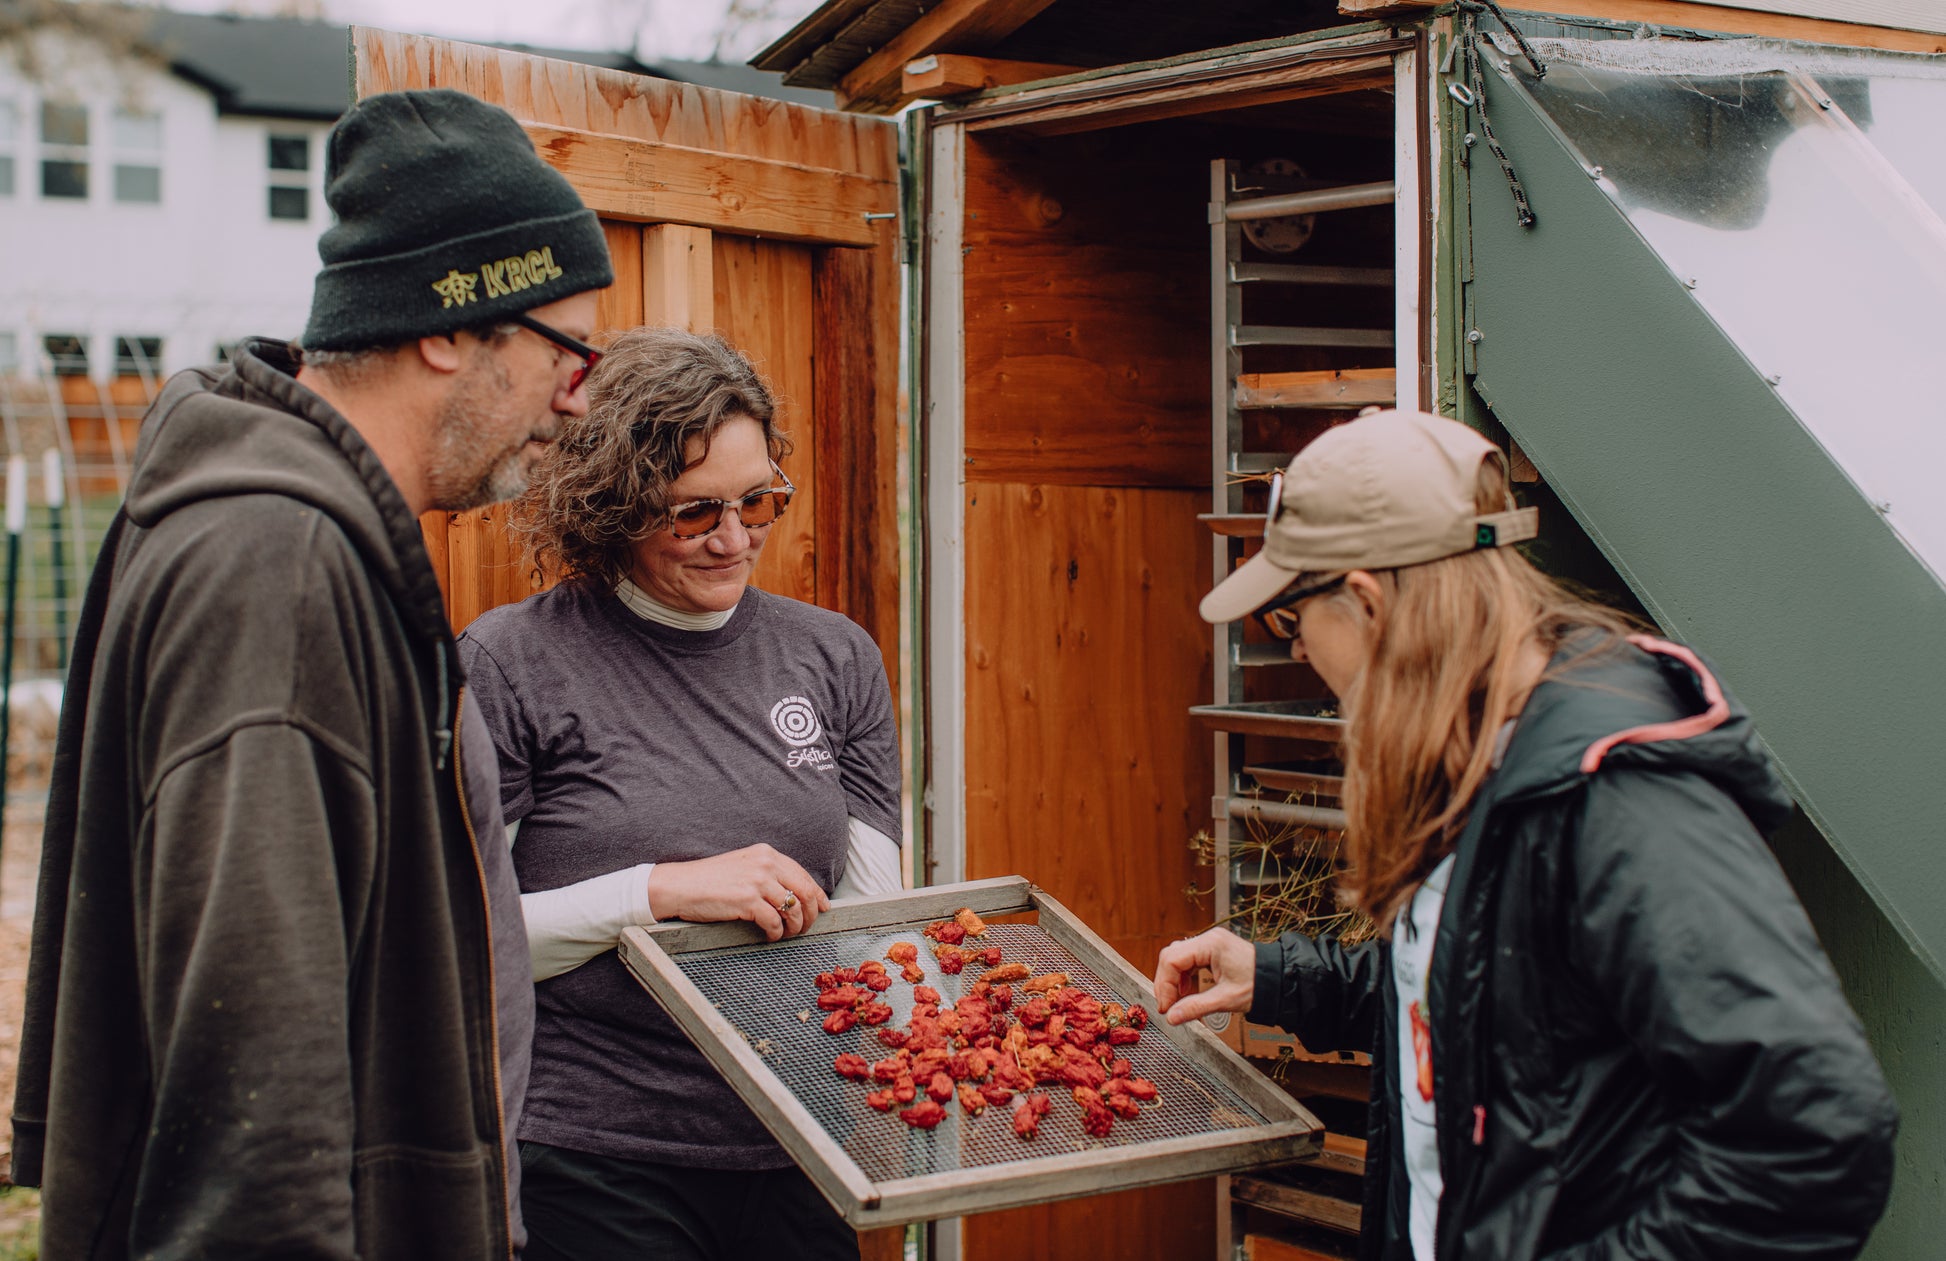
(1639, 1048)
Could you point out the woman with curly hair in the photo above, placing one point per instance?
(1600, 1023)
(674, 744)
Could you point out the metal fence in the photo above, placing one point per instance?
(68, 442)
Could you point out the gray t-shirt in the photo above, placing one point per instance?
(622, 741)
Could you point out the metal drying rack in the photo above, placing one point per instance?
(750, 1007)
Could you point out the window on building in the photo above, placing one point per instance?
(9, 356)
(138, 356)
(290, 153)
(9, 139)
(68, 353)
(290, 177)
(290, 203)
(138, 156)
(64, 150)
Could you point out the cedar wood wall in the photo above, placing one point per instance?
(1087, 449)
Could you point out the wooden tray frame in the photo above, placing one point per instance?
(1292, 1133)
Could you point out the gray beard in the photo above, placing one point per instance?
(460, 473)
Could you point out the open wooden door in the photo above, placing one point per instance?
(770, 223)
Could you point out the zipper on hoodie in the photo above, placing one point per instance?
(444, 735)
(493, 982)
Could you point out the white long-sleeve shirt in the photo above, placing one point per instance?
(570, 925)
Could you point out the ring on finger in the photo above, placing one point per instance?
(789, 902)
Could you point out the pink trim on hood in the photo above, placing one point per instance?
(1681, 728)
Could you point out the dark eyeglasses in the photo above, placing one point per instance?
(588, 355)
(1279, 617)
(698, 517)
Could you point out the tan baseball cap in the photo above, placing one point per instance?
(1386, 490)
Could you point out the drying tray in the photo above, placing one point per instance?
(1289, 720)
(1299, 779)
(739, 998)
(1234, 525)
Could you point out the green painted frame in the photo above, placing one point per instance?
(1727, 519)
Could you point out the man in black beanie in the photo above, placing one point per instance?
(280, 999)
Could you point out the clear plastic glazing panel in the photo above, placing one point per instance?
(1761, 182)
(1907, 124)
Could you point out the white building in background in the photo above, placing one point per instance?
(153, 211)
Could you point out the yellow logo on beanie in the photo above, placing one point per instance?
(502, 276)
(456, 287)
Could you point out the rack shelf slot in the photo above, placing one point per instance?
(1275, 335)
(1283, 780)
(1347, 387)
(1311, 274)
(1290, 720)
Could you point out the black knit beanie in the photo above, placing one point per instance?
(447, 219)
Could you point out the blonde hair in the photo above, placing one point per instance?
(1442, 679)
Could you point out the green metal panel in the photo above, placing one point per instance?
(1739, 535)
(1904, 1010)
(1729, 521)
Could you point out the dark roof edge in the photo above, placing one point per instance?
(224, 95)
(293, 115)
(797, 44)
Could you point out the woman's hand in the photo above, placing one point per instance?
(1232, 962)
(755, 883)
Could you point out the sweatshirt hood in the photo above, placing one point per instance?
(252, 429)
(1645, 703)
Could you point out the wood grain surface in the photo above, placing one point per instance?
(678, 276)
(586, 98)
(1344, 387)
(855, 327)
(951, 26)
(628, 178)
(1173, 1221)
(1271, 1248)
(1297, 1202)
(1325, 77)
(948, 74)
(1084, 773)
(620, 304)
(763, 308)
(1084, 653)
(1087, 314)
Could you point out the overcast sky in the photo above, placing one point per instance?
(682, 29)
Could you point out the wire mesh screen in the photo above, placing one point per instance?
(769, 994)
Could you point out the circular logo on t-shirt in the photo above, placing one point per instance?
(796, 721)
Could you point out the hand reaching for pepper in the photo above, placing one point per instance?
(755, 883)
(1232, 962)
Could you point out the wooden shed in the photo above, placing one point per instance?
(1149, 250)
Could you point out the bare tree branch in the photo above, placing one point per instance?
(741, 17)
(120, 30)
